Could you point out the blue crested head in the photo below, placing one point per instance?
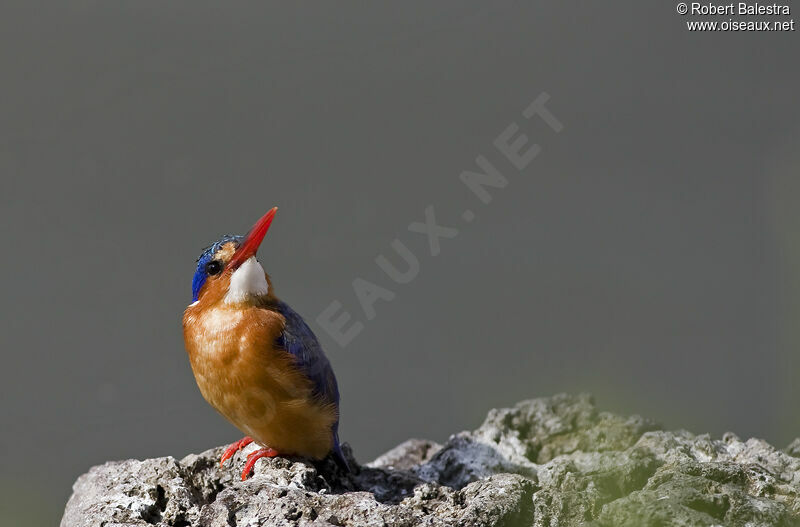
(233, 258)
(206, 265)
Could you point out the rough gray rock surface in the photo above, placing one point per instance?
(555, 461)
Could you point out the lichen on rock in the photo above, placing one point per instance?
(544, 462)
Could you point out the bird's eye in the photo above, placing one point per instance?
(213, 267)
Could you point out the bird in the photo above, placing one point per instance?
(255, 359)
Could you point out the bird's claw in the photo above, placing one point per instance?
(233, 448)
(254, 456)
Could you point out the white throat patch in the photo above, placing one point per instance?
(246, 282)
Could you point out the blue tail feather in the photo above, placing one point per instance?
(338, 455)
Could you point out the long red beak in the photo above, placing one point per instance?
(253, 239)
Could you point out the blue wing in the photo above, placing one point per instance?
(298, 339)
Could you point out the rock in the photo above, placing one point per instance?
(794, 448)
(407, 454)
(555, 461)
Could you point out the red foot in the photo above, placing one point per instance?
(255, 456)
(235, 447)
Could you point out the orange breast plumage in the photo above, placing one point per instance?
(243, 373)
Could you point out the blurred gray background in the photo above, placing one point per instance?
(649, 254)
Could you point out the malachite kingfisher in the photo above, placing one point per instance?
(255, 359)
